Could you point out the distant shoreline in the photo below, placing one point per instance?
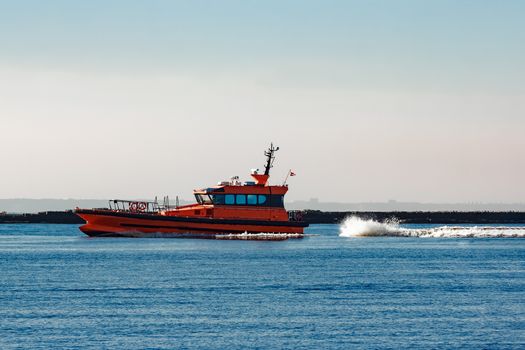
(28, 205)
(319, 217)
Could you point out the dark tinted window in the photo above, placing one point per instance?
(276, 201)
(252, 199)
(240, 199)
(218, 199)
(262, 199)
(229, 199)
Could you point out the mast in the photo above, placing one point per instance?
(270, 157)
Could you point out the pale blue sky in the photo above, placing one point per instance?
(370, 100)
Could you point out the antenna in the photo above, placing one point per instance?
(270, 157)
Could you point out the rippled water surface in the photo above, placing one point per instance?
(60, 289)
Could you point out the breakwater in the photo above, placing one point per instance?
(319, 217)
(45, 217)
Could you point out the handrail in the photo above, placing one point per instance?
(135, 206)
(295, 215)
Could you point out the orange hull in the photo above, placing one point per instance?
(111, 223)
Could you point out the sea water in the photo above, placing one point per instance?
(361, 284)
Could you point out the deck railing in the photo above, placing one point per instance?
(295, 215)
(135, 206)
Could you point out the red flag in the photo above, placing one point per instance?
(292, 173)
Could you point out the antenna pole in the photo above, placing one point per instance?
(270, 157)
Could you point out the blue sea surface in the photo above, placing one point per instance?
(61, 289)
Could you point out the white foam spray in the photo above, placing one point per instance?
(357, 227)
(258, 236)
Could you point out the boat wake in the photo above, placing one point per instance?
(258, 236)
(244, 236)
(357, 227)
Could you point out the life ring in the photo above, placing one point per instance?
(141, 206)
(133, 206)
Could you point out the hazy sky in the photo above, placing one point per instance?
(368, 100)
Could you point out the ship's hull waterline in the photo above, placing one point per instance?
(106, 223)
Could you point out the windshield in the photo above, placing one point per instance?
(203, 199)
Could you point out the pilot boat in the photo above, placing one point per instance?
(231, 209)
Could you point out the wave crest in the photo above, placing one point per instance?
(358, 227)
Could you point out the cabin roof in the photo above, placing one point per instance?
(243, 189)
